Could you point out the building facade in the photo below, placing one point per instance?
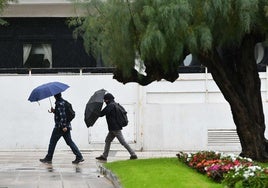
(37, 44)
(37, 36)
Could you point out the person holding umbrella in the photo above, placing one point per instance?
(62, 129)
(114, 128)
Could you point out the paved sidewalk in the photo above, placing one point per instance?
(20, 169)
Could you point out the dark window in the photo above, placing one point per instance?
(37, 55)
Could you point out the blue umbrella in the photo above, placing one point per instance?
(47, 90)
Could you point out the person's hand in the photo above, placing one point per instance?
(52, 110)
(64, 129)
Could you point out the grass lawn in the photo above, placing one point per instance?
(159, 173)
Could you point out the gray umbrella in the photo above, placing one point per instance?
(93, 107)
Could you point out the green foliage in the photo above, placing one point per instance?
(248, 177)
(232, 170)
(107, 32)
(3, 4)
(238, 172)
(162, 32)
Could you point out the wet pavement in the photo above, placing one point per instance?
(21, 169)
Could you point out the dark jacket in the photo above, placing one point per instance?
(109, 112)
(60, 115)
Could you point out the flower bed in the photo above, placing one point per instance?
(231, 170)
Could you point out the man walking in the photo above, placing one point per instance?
(114, 128)
(62, 128)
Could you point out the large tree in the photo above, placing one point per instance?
(221, 34)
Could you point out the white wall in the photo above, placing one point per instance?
(26, 125)
(163, 116)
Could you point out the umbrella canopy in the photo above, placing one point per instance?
(93, 107)
(47, 90)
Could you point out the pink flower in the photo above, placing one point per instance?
(214, 167)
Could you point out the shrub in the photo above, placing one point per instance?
(246, 176)
(229, 169)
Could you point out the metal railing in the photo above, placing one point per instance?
(83, 70)
(92, 70)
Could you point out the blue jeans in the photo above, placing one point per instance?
(55, 136)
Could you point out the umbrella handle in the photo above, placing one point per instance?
(51, 109)
(50, 102)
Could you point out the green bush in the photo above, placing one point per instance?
(233, 171)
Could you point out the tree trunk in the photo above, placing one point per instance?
(235, 73)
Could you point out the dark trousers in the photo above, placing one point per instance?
(55, 136)
(110, 137)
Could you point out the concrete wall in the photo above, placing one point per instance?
(189, 114)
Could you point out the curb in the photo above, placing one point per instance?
(110, 176)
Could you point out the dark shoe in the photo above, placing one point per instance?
(76, 161)
(45, 161)
(101, 158)
(133, 157)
